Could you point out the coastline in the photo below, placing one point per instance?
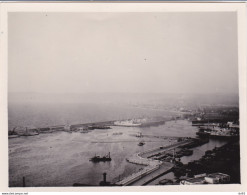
(77, 127)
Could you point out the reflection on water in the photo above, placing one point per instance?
(198, 152)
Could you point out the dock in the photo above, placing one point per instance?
(164, 168)
(154, 168)
(76, 127)
(163, 149)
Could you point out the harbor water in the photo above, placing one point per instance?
(63, 158)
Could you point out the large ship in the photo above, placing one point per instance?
(93, 127)
(204, 122)
(99, 158)
(127, 123)
(141, 122)
(218, 132)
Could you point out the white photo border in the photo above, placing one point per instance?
(7, 7)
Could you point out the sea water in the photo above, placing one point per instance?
(63, 158)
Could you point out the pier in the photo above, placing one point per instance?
(154, 168)
(162, 149)
(76, 127)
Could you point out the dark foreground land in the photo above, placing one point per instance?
(225, 159)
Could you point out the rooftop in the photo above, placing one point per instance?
(217, 174)
(194, 180)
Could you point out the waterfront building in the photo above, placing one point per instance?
(193, 181)
(214, 178)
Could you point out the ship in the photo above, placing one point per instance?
(127, 123)
(204, 122)
(141, 143)
(105, 158)
(223, 135)
(217, 132)
(93, 127)
(204, 132)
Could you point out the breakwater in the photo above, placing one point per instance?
(24, 131)
(153, 167)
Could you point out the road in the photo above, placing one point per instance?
(164, 149)
(164, 168)
(153, 169)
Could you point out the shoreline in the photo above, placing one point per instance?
(157, 173)
(215, 160)
(85, 126)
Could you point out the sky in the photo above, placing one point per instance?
(123, 52)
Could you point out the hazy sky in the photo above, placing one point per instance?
(123, 52)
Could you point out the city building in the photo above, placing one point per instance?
(193, 181)
(214, 178)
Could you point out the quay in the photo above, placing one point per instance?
(154, 168)
(122, 141)
(162, 149)
(24, 131)
(164, 168)
(76, 127)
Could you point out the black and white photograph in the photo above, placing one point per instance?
(116, 99)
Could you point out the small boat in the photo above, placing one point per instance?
(141, 143)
